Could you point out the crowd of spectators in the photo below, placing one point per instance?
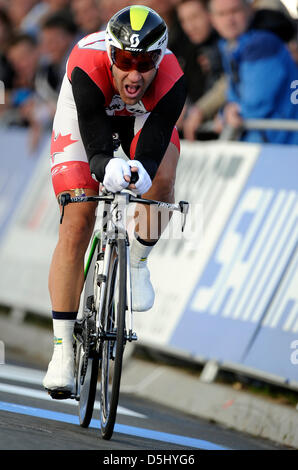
(220, 45)
(257, 44)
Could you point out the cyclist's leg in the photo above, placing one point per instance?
(66, 280)
(70, 169)
(66, 276)
(65, 284)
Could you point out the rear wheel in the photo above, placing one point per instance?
(87, 374)
(114, 338)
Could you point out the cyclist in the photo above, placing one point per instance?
(121, 85)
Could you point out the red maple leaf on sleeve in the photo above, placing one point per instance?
(59, 143)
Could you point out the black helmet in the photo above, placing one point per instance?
(138, 30)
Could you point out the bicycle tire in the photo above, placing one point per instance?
(112, 350)
(87, 379)
(88, 392)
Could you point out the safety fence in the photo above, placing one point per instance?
(230, 133)
(226, 288)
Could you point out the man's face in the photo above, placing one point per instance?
(230, 17)
(132, 84)
(195, 20)
(86, 14)
(55, 43)
(24, 57)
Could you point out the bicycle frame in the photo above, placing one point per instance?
(95, 240)
(114, 225)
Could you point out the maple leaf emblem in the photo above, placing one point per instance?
(59, 143)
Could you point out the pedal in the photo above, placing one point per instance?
(60, 394)
(75, 397)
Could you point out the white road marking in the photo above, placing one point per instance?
(21, 374)
(33, 376)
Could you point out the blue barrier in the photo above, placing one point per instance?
(225, 317)
(273, 345)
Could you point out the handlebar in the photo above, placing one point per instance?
(182, 206)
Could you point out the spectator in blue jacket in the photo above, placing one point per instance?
(260, 71)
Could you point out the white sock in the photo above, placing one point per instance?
(63, 331)
(139, 253)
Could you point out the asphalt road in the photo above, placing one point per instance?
(31, 420)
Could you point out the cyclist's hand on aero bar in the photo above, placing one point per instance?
(117, 175)
(143, 183)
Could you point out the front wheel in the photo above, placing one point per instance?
(113, 323)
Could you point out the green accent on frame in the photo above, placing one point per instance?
(95, 241)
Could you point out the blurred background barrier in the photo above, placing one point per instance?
(28, 235)
(243, 311)
(17, 166)
(226, 289)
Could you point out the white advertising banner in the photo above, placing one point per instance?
(210, 177)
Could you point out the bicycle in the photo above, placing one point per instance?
(106, 324)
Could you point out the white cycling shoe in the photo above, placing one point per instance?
(59, 379)
(142, 290)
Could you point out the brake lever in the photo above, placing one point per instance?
(134, 177)
(64, 200)
(184, 208)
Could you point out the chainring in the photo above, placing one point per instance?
(83, 339)
(86, 336)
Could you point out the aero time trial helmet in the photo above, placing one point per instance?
(136, 38)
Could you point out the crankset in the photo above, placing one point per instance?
(83, 333)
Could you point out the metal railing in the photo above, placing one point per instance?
(230, 133)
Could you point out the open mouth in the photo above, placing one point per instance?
(132, 90)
